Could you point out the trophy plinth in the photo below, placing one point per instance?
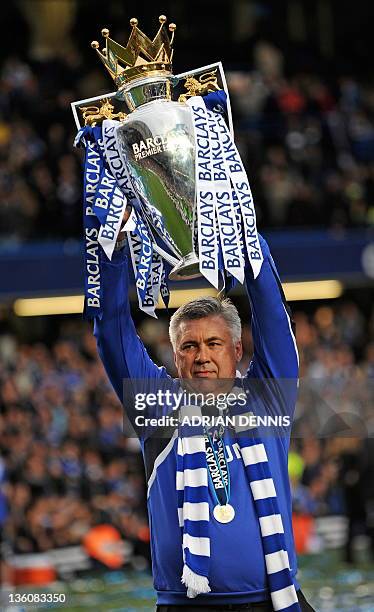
(186, 269)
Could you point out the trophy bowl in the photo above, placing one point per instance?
(156, 142)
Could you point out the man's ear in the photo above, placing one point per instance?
(238, 350)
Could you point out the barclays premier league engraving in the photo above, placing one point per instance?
(163, 145)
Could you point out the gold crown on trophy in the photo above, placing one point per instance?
(141, 57)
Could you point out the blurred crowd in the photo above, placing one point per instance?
(67, 465)
(308, 144)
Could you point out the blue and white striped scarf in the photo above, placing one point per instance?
(193, 512)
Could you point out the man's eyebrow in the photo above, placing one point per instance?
(211, 339)
(187, 341)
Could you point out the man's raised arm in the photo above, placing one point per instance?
(120, 348)
(275, 351)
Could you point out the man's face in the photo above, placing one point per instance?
(205, 352)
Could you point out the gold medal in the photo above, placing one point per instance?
(224, 514)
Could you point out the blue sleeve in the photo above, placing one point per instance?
(216, 100)
(120, 348)
(275, 352)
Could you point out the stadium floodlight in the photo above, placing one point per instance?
(73, 304)
(41, 306)
(313, 290)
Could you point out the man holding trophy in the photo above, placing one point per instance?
(166, 190)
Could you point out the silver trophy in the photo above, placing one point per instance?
(155, 135)
(156, 141)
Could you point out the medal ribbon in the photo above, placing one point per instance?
(218, 469)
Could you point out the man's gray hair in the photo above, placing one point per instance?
(206, 307)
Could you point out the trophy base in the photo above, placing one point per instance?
(186, 269)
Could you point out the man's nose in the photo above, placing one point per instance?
(202, 354)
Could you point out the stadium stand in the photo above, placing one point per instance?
(69, 467)
(307, 138)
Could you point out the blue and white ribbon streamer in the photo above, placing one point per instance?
(104, 194)
(164, 287)
(243, 192)
(110, 203)
(141, 251)
(91, 225)
(108, 189)
(108, 233)
(117, 168)
(205, 193)
(224, 195)
(228, 229)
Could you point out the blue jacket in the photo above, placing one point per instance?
(238, 573)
